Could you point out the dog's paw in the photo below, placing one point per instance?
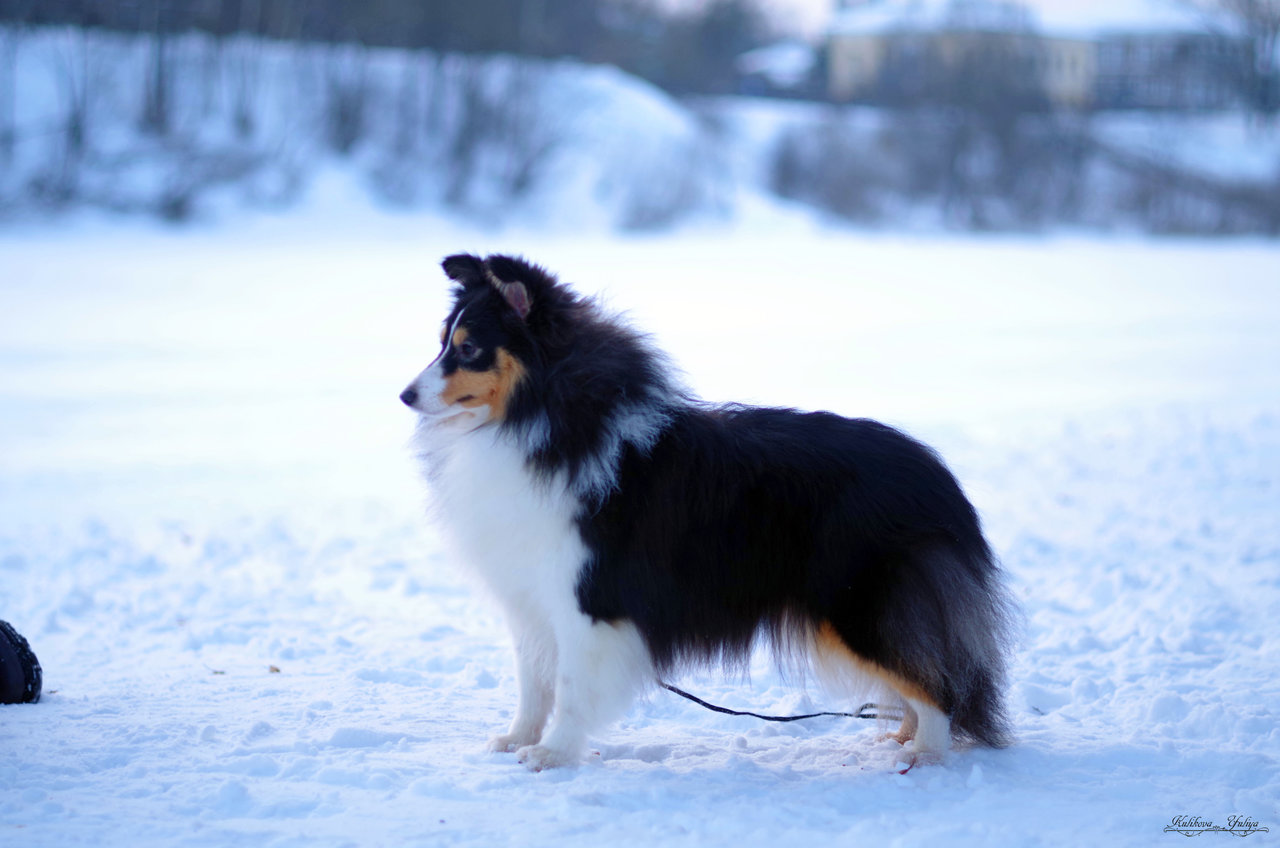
(911, 759)
(509, 743)
(539, 757)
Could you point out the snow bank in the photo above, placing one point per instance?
(246, 121)
(564, 146)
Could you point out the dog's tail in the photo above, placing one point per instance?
(961, 654)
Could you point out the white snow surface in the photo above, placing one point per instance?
(210, 530)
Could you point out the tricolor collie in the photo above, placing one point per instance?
(630, 531)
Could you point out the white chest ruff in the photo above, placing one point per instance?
(516, 532)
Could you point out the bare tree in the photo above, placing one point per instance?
(982, 131)
(74, 70)
(346, 94)
(156, 107)
(698, 48)
(246, 68)
(1255, 26)
(8, 92)
(16, 12)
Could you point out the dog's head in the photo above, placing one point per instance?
(487, 341)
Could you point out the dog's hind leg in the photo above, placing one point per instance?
(600, 668)
(932, 736)
(923, 720)
(535, 673)
(907, 730)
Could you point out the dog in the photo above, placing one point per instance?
(630, 530)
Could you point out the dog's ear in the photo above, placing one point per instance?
(516, 296)
(465, 269)
(520, 284)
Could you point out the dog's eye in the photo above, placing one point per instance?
(468, 350)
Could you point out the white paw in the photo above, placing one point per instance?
(539, 757)
(911, 759)
(509, 742)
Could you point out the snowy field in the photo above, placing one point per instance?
(210, 531)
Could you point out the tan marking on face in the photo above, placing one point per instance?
(831, 649)
(491, 388)
(459, 336)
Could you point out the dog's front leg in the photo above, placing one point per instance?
(601, 666)
(535, 646)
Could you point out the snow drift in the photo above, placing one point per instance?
(116, 121)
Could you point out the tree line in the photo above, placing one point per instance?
(690, 51)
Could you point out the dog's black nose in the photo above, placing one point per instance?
(409, 396)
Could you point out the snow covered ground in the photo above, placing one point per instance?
(210, 532)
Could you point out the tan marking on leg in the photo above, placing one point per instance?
(923, 720)
(907, 730)
(828, 642)
(831, 651)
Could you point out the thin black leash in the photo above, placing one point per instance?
(866, 711)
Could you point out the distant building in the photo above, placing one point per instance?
(786, 68)
(1109, 54)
